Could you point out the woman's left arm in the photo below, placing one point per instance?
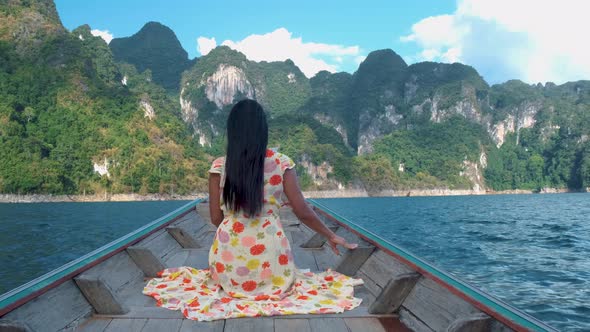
(214, 194)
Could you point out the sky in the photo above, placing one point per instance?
(531, 40)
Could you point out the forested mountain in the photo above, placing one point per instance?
(64, 114)
(155, 48)
(78, 115)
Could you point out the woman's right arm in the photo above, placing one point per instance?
(214, 199)
(307, 215)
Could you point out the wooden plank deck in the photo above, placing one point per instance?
(144, 316)
(259, 324)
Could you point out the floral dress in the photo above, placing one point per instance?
(251, 269)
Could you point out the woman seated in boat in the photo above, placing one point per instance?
(251, 269)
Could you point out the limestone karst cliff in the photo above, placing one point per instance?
(141, 110)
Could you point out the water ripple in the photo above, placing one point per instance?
(37, 238)
(528, 250)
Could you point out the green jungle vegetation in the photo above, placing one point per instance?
(69, 101)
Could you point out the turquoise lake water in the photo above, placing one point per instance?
(533, 251)
(36, 238)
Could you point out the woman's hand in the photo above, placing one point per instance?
(336, 240)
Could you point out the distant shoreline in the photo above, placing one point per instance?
(345, 193)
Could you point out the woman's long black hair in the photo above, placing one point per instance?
(247, 140)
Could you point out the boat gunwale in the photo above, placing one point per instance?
(100, 255)
(420, 265)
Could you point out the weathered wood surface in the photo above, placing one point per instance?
(184, 238)
(353, 259)
(381, 267)
(292, 325)
(305, 259)
(100, 295)
(296, 236)
(94, 325)
(161, 244)
(206, 238)
(258, 324)
(287, 214)
(54, 310)
(151, 311)
(369, 284)
(193, 223)
(160, 325)
(276, 324)
(191, 325)
(498, 326)
(363, 293)
(202, 210)
(393, 324)
(317, 240)
(394, 293)
(327, 324)
(476, 323)
(378, 269)
(116, 271)
(364, 324)
(13, 326)
(325, 258)
(132, 294)
(126, 325)
(123, 276)
(436, 306)
(197, 258)
(193, 216)
(351, 237)
(412, 322)
(178, 258)
(146, 260)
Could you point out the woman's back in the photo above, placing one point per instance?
(275, 165)
(251, 255)
(251, 269)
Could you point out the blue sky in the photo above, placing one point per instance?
(335, 35)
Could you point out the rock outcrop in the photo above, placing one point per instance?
(28, 24)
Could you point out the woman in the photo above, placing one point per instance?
(251, 271)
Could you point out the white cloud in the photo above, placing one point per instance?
(205, 45)
(359, 59)
(104, 34)
(536, 41)
(280, 45)
(429, 54)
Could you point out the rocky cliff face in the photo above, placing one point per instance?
(28, 24)
(473, 171)
(330, 103)
(384, 95)
(376, 97)
(522, 116)
(225, 84)
(375, 126)
(222, 88)
(320, 173)
(224, 76)
(68, 95)
(442, 91)
(468, 105)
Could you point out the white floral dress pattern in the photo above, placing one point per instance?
(251, 269)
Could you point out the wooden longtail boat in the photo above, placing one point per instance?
(102, 291)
